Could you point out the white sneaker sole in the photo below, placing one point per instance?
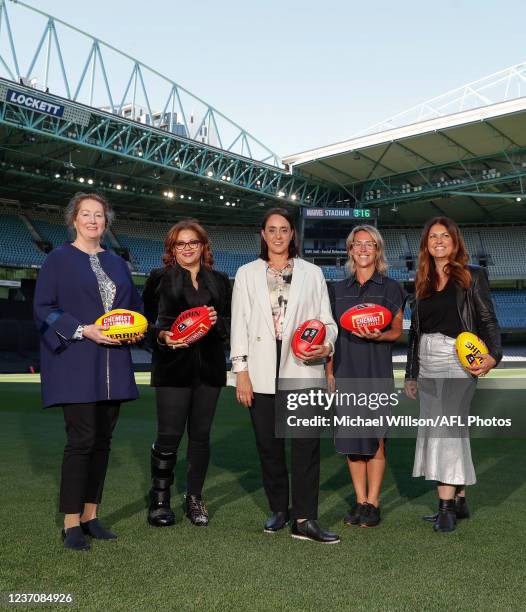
(300, 537)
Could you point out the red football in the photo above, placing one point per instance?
(310, 333)
(191, 325)
(371, 315)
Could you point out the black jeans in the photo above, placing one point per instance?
(192, 408)
(89, 428)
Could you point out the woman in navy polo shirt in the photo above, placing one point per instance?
(365, 355)
(82, 370)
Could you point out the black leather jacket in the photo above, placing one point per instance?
(476, 312)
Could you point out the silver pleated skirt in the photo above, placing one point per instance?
(444, 388)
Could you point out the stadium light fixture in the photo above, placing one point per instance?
(221, 197)
(118, 187)
(228, 203)
(209, 173)
(281, 194)
(293, 196)
(518, 199)
(57, 175)
(90, 181)
(81, 179)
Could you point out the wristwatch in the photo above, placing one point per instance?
(78, 335)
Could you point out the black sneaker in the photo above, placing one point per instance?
(276, 522)
(353, 516)
(195, 510)
(310, 530)
(369, 516)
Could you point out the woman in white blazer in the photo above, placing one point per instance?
(272, 296)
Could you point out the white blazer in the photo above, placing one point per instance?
(252, 330)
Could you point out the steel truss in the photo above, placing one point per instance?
(144, 95)
(500, 86)
(107, 133)
(473, 176)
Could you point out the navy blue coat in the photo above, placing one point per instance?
(66, 296)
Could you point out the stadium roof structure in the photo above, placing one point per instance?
(77, 113)
(462, 154)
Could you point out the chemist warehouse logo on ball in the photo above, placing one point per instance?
(118, 319)
(34, 103)
(360, 320)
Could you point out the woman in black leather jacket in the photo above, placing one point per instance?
(451, 297)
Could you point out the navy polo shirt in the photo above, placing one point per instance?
(357, 357)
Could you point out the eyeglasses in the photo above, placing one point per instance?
(191, 244)
(368, 244)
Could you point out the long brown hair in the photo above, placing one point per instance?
(426, 276)
(207, 257)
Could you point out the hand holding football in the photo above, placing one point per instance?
(192, 324)
(309, 335)
(372, 317)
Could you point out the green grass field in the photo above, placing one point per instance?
(232, 565)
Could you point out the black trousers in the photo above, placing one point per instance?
(305, 460)
(89, 428)
(305, 463)
(191, 408)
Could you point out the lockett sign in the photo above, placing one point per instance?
(34, 103)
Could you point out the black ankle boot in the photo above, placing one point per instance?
(461, 507)
(160, 513)
(447, 518)
(461, 510)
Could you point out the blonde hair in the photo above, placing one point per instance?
(380, 262)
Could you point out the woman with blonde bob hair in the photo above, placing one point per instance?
(380, 262)
(187, 378)
(365, 355)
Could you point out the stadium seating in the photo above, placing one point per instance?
(235, 246)
(16, 245)
(503, 247)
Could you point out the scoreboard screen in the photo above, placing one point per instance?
(325, 230)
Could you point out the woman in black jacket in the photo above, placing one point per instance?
(451, 297)
(187, 378)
